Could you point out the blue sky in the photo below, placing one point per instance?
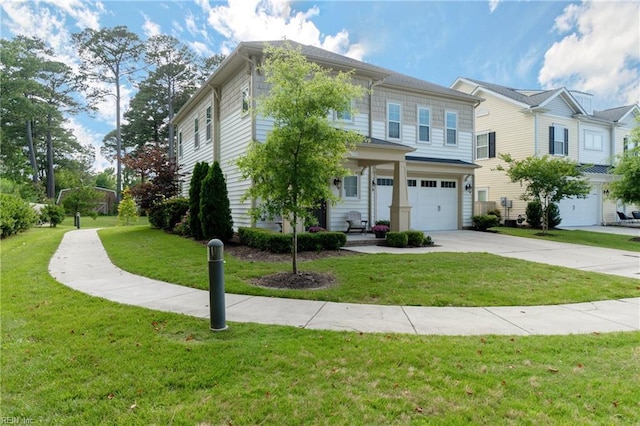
(588, 46)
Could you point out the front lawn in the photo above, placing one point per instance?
(576, 236)
(431, 279)
(70, 359)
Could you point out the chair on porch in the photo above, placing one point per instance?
(624, 218)
(355, 222)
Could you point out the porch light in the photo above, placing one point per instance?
(337, 182)
(373, 185)
(468, 187)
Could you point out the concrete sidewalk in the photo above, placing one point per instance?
(82, 264)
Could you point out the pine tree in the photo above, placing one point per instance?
(200, 172)
(215, 213)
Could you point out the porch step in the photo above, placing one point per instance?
(366, 242)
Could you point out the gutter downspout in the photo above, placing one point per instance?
(252, 80)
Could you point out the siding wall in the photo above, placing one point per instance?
(190, 154)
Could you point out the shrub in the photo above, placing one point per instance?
(496, 212)
(383, 222)
(200, 172)
(482, 222)
(428, 241)
(415, 238)
(534, 214)
(167, 214)
(16, 215)
(315, 229)
(553, 215)
(52, 214)
(183, 228)
(276, 242)
(156, 215)
(215, 212)
(397, 239)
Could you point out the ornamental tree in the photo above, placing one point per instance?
(626, 184)
(546, 179)
(291, 170)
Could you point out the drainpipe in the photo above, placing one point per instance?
(370, 207)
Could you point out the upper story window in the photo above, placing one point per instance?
(424, 124)
(593, 140)
(558, 140)
(245, 100)
(345, 115)
(625, 143)
(179, 144)
(208, 127)
(350, 185)
(485, 145)
(451, 121)
(196, 133)
(394, 112)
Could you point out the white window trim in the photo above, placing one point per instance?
(556, 141)
(208, 131)
(446, 128)
(344, 189)
(196, 133)
(593, 133)
(419, 107)
(243, 111)
(180, 148)
(486, 133)
(399, 122)
(345, 120)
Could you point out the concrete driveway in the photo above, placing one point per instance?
(584, 258)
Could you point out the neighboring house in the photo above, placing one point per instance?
(559, 122)
(412, 168)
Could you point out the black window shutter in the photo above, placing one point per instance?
(566, 141)
(551, 150)
(492, 144)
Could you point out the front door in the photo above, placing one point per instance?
(320, 215)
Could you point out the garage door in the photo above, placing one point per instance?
(434, 203)
(580, 211)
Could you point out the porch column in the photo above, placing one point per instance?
(400, 208)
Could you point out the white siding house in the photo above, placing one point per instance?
(413, 132)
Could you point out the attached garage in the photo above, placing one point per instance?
(434, 202)
(580, 211)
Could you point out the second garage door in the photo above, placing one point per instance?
(434, 203)
(580, 211)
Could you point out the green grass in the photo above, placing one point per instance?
(431, 279)
(69, 359)
(575, 236)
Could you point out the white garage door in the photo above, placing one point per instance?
(434, 203)
(580, 211)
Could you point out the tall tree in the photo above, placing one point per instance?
(109, 55)
(173, 73)
(291, 171)
(546, 179)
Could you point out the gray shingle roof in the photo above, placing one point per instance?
(596, 168)
(438, 160)
(613, 114)
(390, 77)
(515, 94)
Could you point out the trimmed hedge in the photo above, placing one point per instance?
(482, 222)
(276, 242)
(397, 239)
(415, 238)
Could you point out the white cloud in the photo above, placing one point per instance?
(150, 28)
(598, 54)
(493, 5)
(88, 137)
(251, 20)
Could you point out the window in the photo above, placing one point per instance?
(393, 121)
(558, 140)
(451, 119)
(245, 100)
(482, 195)
(424, 124)
(350, 185)
(208, 129)
(448, 184)
(384, 182)
(180, 144)
(196, 134)
(486, 145)
(428, 184)
(344, 115)
(411, 182)
(592, 140)
(625, 143)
